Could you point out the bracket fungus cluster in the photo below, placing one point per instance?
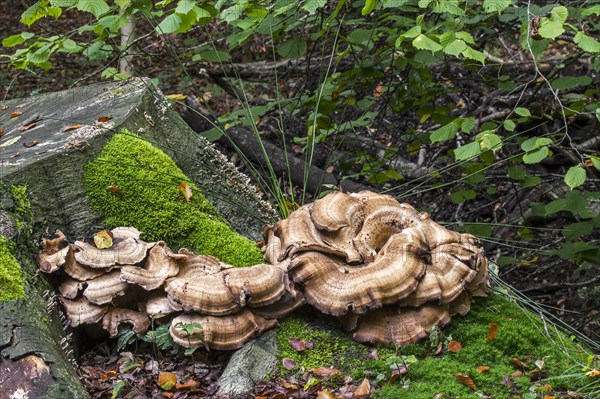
(386, 271)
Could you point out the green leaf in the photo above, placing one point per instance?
(535, 156)
(94, 7)
(293, 48)
(550, 29)
(595, 161)
(509, 125)
(575, 176)
(489, 141)
(185, 6)
(412, 32)
(214, 56)
(568, 82)
(313, 5)
(422, 42)
(498, 6)
(467, 125)
(595, 10)
(467, 151)
(587, 43)
(64, 3)
(10, 142)
(460, 196)
(33, 13)
(474, 55)
(559, 14)
(534, 143)
(12, 41)
(524, 112)
(444, 133)
(455, 48)
(466, 37)
(369, 6)
(170, 24)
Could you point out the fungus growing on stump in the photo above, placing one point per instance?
(387, 272)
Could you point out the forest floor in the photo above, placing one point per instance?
(557, 283)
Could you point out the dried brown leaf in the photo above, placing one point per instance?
(454, 346)
(510, 383)
(108, 375)
(4, 107)
(188, 385)
(482, 369)
(517, 374)
(104, 119)
(289, 364)
(2, 132)
(325, 371)
(167, 381)
(32, 144)
(492, 331)
(364, 390)
(593, 373)
(186, 191)
(325, 394)
(114, 189)
(71, 127)
(299, 344)
(27, 127)
(15, 114)
(518, 363)
(465, 379)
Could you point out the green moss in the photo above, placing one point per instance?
(19, 195)
(520, 335)
(11, 279)
(148, 198)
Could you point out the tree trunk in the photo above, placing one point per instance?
(48, 141)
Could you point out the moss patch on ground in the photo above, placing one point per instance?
(521, 335)
(135, 184)
(11, 278)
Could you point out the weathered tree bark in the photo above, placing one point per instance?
(46, 148)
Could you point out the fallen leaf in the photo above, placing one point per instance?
(71, 127)
(399, 371)
(188, 385)
(10, 142)
(465, 379)
(518, 363)
(378, 91)
(517, 374)
(439, 349)
(167, 381)
(2, 132)
(21, 105)
(260, 244)
(33, 144)
(15, 114)
(186, 191)
(593, 373)
(109, 374)
(364, 390)
(103, 119)
(299, 344)
(492, 331)
(454, 346)
(373, 355)
(482, 369)
(27, 127)
(325, 371)
(114, 189)
(510, 383)
(329, 169)
(549, 397)
(312, 381)
(177, 97)
(16, 154)
(40, 152)
(289, 364)
(103, 239)
(539, 364)
(4, 107)
(168, 395)
(439, 395)
(325, 394)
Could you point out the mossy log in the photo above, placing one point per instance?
(65, 167)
